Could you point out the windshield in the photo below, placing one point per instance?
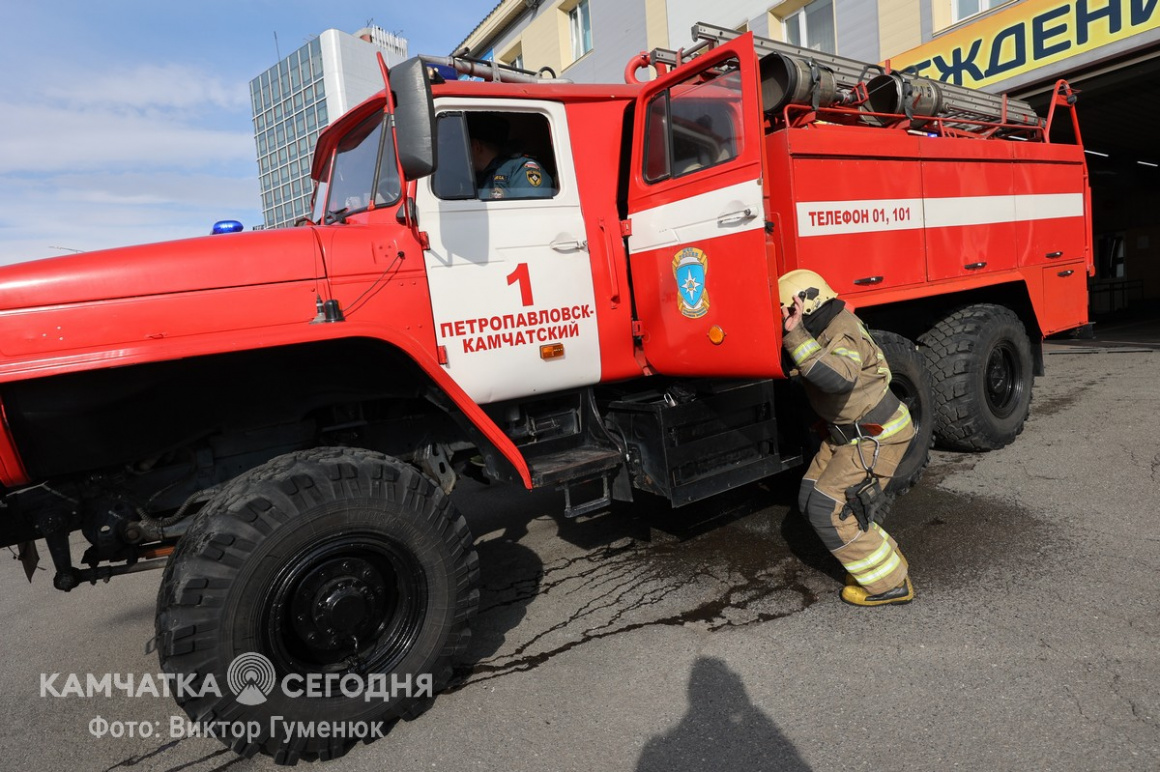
(364, 172)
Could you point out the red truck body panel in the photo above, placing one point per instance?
(162, 310)
(889, 215)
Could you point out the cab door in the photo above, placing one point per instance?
(703, 281)
(510, 278)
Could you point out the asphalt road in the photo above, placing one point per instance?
(713, 638)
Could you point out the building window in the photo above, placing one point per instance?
(813, 26)
(580, 24)
(965, 8)
(513, 56)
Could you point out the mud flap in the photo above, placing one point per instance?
(29, 557)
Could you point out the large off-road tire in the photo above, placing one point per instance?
(329, 563)
(911, 383)
(980, 360)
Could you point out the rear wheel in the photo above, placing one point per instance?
(342, 569)
(911, 383)
(980, 359)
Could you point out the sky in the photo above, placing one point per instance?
(127, 122)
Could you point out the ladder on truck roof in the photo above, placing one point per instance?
(812, 81)
(487, 69)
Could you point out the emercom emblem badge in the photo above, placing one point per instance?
(689, 268)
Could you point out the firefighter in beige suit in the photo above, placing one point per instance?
(847, 381)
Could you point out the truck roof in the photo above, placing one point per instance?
(554, 90)
(551, 90)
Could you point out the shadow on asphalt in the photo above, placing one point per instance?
(722, 729)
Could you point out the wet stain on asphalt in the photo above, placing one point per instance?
(720, 564)
(1041, 407)
(957, 540)
(748, 559)
(943, 464)
(133, 761)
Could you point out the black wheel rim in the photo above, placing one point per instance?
(1003, 380)
(351, 602)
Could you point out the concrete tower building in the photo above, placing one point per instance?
(297, 97)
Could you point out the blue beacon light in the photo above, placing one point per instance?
(227, 226)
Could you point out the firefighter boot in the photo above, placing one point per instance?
(856, 595)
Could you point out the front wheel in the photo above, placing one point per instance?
(326, 593)
(980, 359)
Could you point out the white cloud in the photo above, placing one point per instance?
(56, 217)
(98, 160)
(84, 212)
(158, 189)
(151, 87)
(47, 138)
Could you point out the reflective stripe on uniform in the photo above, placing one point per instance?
(876, 557)
(880, 563)
(803, 351)
(897, 425)
(881, 572)
(845, 352)
(892, 428)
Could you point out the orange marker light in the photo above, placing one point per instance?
(552, 351)
(716, 335)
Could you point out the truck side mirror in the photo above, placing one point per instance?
(414, 118)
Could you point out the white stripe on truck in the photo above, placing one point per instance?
(833, 218)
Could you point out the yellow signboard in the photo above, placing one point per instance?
(1028, 36)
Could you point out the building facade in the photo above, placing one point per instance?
(997, 45)
(1107, 49)
(297, 97)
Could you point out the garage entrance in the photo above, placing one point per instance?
(1118, 117)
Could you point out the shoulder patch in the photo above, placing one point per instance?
(534, 177)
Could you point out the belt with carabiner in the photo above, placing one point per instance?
(870, 424)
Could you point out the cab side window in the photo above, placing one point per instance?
(494, 156)
(453, 178)
(694, 124)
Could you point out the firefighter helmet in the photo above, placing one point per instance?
(810, 287)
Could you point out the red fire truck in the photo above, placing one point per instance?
(278, 418)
